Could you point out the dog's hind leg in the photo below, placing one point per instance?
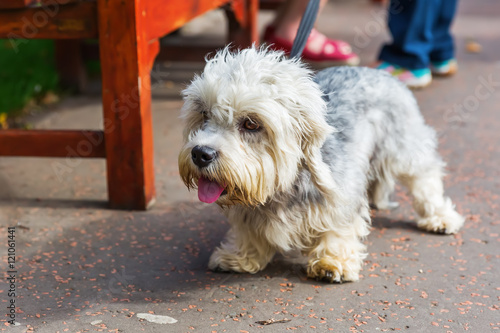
(437, 212)
(380, 190)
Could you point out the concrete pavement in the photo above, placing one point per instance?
(84, 268)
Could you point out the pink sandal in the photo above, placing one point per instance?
(333, 52)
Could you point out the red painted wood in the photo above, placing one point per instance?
(162, 17)
(4, 4)
(189, 53)
(78, 20)
(52, 143)
(243, 30)
(126, 60)
(128, 34)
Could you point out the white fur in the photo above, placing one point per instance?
(326, 144)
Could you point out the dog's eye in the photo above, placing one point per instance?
(251, 125)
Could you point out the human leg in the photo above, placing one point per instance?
(442, 53)
(411, 25)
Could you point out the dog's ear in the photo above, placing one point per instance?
(304, 102)
(314, 131)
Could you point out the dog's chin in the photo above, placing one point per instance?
(225, 200)
(223, 197)
(236, 199)
(230, 201)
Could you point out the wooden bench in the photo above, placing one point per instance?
(128, 33)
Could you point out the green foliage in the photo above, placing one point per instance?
(27, 72)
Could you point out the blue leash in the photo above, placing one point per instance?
(305, 27)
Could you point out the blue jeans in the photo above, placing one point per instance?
(421, 32)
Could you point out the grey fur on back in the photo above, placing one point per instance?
(376, 119)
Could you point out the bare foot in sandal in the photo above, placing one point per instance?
(320, 51)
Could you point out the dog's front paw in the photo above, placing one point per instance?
(217, 269)
(224, 261)
(333, 270)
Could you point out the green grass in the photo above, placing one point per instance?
(27, 72)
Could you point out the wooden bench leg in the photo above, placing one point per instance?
(242, 23)
(126, 61)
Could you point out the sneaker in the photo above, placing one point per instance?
(414, 78)
(444, 68)
(387, 67)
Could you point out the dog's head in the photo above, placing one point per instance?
(252, 119)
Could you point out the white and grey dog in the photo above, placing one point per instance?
(293, 159)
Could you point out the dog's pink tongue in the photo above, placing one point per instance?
(208, 191)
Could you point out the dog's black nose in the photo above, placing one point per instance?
(202, 155)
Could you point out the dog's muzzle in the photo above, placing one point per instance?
(202, 156)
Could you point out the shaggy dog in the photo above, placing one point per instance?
(294, 159)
